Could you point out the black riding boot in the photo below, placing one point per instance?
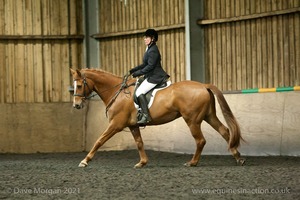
(144, 106)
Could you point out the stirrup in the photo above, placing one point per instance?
(145, 119)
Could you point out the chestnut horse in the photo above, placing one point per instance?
(191, 100)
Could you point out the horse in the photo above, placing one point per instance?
(191, 100)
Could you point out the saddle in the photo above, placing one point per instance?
(151, 94)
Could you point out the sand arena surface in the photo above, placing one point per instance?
(111, 176)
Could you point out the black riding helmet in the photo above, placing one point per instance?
(151, 33)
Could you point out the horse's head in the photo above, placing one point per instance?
(82, 89)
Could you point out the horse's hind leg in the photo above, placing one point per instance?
(140, 145)
(200, 142)
(224, 131)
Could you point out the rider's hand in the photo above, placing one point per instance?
(132, 71)
(137, 73)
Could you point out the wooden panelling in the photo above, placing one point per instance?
(39, 41)
(249, 44)
(122, 27)
(252, 44)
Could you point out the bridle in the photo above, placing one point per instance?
(84, 95)
(112, 100)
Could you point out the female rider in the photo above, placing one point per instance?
(152, 71)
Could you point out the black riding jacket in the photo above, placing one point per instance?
(151, 67)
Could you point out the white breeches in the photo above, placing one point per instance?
(144, 88)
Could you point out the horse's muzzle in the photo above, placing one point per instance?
(78, 106)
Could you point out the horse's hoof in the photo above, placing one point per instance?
(188, 164)
(139, 165)
(241, 161)
(83, 164)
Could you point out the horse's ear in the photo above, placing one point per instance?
(72, 71)
(78, 72)
(75, 72)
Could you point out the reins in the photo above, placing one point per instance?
(123, 86)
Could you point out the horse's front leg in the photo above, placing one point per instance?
(140, 145)
(106, 135)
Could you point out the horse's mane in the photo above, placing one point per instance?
(99, 71)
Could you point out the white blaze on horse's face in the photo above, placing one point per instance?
(77, 99)
(75, 88)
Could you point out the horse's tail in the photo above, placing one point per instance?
(235, 131)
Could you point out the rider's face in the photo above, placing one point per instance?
(147, 40)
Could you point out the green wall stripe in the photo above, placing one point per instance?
(284, 89)
(263, 90)
(255, 90)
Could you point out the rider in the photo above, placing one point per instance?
(152, 71)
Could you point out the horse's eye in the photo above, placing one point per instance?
(79, 86)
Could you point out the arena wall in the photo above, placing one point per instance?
(41, 127)
(270, 123)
